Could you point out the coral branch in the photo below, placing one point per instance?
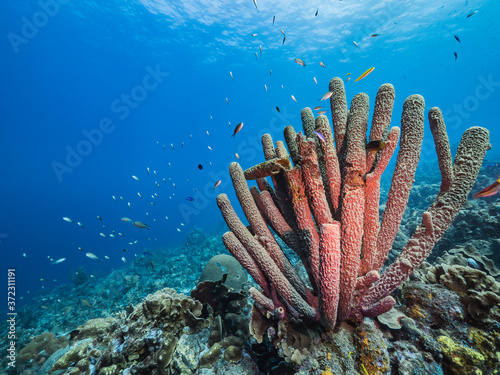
(412, 128)
(353, 202)
(329, 274)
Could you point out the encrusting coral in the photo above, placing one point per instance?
(326, 207)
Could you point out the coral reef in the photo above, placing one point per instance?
(325, 206)
(221, 264)
(142, 342)
(336, 181)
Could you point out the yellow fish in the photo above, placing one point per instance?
(364, 74)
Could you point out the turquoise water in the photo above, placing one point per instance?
(94, 93)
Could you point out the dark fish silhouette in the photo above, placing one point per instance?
(456, 56)
(457, 38)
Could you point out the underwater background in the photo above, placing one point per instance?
(102, 100)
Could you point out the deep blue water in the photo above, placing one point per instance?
(136, 73)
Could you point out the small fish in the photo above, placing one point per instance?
(278, 109)
(124, 260)
(80, 248)
(271, 73)
(364, 74)
(315, 81)
(348, 74)
(472, 13)
(200, 167)
(80, 225)
(124, 250)
(85, 302)
(112, 235)
(191, 199)
(136, 178)
(356, 44)
(123, 199)
(282, 32)
(25, 256)
(224, 269)
(152, 265)
(100, 218)
(231, 74)
(375, 145)
(320, 136)
(471, 262)
(255, 34)
(45, 307)
(172, 145)
(318, 107)
(126, 219)
(326, 96)
(456, 56)
(293, 98)
(114, 198)
(316, 14)
(348, 79)
(147, 169)
(256, 56)
(139, 194)
(322, 112)
(210, 148)
(66, 311)
(92, 256)
(284, 38)
(260, 49)
(106, 257)
(374, 35)
(256, 7)
(217, 184)
(237, 129)
(102, 235)
(274, 19)
(140, 224)
(121, 234)
(59, 261)
(321, 63)
(488, 191)
(128, 204)
(300, 61)
(227, 101)
(67, 219)
(208, 132)
(178, 230)
(43, 279)
(237, 156)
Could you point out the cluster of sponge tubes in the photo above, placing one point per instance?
(324, 204)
